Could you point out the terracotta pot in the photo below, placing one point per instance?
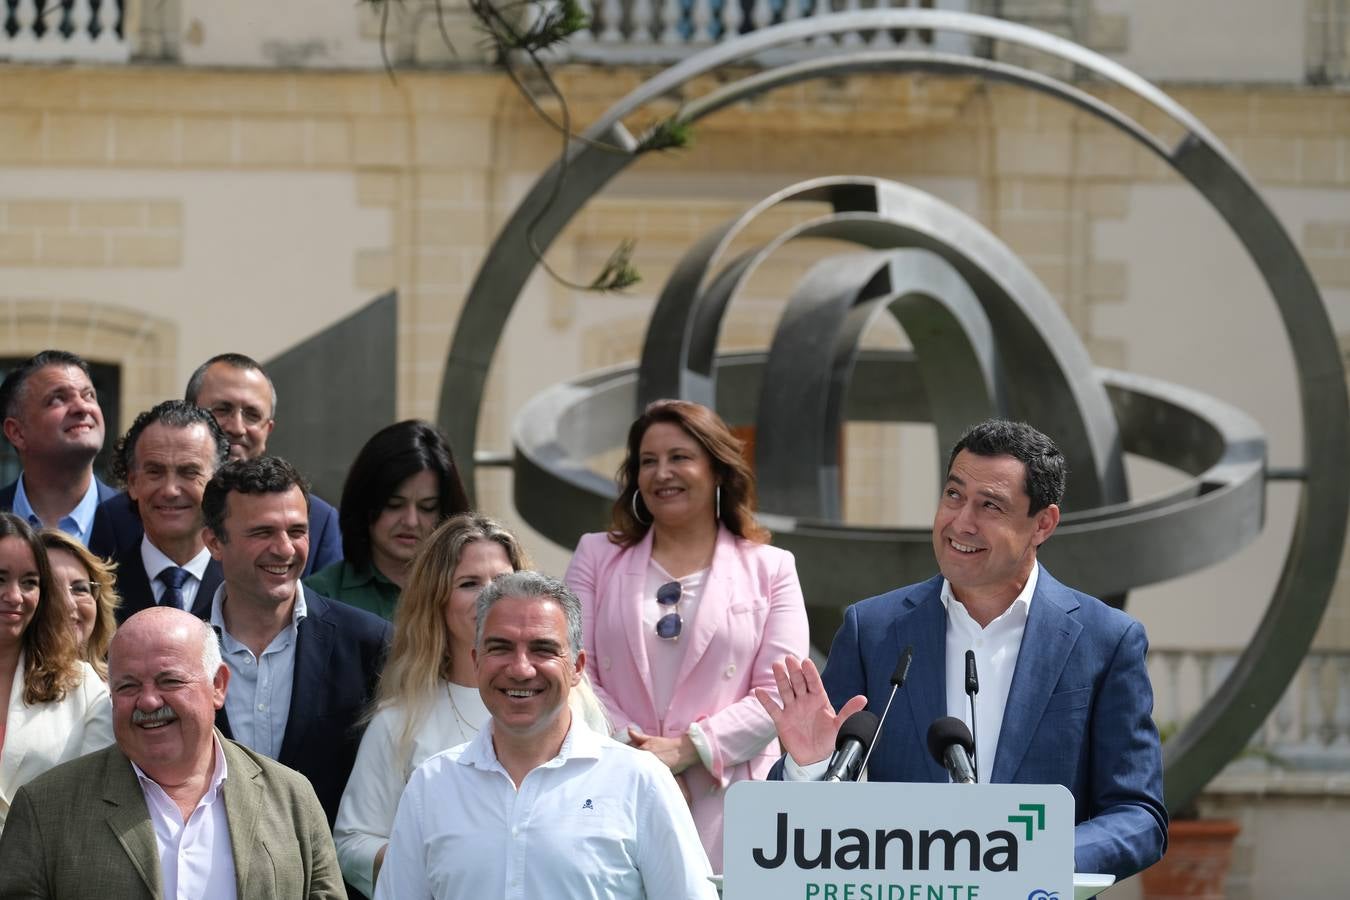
(1199, 855)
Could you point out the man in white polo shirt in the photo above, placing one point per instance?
(538, 805)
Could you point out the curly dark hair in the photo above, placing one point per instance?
(730, 471)
(174, 414)
(1047, 473)
(264, 475)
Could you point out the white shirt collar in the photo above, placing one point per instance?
(218, 775)
(580, 743)
(1019, 608)
(155, 561)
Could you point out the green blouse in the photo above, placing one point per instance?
(364, 587)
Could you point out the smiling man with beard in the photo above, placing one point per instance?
(303, 667)
(172, 810)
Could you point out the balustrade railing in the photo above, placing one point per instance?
(665, 30)
(63, 30)
(1309, 729)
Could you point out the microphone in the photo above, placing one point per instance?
(972, 688)
(898, 679)
(851, 745)
(950, 742)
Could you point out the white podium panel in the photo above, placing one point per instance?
(886, 841)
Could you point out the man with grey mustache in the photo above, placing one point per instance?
(173, 809)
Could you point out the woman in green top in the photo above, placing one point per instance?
(402, 485)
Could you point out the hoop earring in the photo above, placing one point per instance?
(717, 510)
(635, 510)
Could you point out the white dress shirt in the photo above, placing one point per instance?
(366, 816)
(77, 523)
(155, 562)
(996, 647)
(258, 703)
(599, 820)
(196, 858)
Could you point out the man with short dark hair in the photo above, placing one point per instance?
(243, 400)
(53, 421)
(172, 809)
(1064, 695)
(538, 805)
(165, 460)
(303, 667)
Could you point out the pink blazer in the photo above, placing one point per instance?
(750, 615)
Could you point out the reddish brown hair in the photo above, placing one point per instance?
(730, 471)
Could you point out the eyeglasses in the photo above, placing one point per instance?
(84, 590)
(669, 626)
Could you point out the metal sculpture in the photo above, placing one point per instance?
(1012, 340)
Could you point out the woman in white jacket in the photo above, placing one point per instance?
(57, 707)
(428, 696)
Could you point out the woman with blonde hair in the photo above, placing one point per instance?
(53, 707)
(91, 598)
(428, 696)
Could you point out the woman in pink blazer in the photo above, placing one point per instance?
(686, 607)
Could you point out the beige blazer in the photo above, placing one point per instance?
(83, 832)
(44, 735)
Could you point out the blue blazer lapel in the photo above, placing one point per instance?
(206, 591)
(314, 646)
(922, 625)
(1052, 630)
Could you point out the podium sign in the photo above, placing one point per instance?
(887, 841)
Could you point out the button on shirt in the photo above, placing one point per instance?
(996, 647)
(155, 562)
(258, 702)
(77, 523)
(599, 820)
(196, 860)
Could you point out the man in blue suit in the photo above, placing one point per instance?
(244, 402)
(302, 667)
(1064, 694)
(53, 421)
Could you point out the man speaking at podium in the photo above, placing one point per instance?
(1063, 693)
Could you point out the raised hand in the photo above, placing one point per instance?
(806, 721)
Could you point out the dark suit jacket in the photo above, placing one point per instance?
(120, 536)
(339, 653)
(133, 582)
(100, 532)
(1079, 711)
(82, 831)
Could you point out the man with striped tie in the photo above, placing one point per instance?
(165, 460)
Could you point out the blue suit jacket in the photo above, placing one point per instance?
(339, 653)
(1079, 711)
(118, 537)
(100, 531)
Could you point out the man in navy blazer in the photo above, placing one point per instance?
(303, 668)
(54, 422)
(243, 400)
(1064, 693)
(154, 529)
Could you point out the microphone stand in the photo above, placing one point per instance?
(973, 688)
(898, 678)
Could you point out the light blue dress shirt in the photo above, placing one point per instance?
(77, 523)
(258, 702)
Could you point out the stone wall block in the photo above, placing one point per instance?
(146, 251)
(71, 250)
(209, 141)
(110, 214)
(272, 142)
(21, 137)
(78, 138)
(380, 141)
(146, 140)
(39, 213)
